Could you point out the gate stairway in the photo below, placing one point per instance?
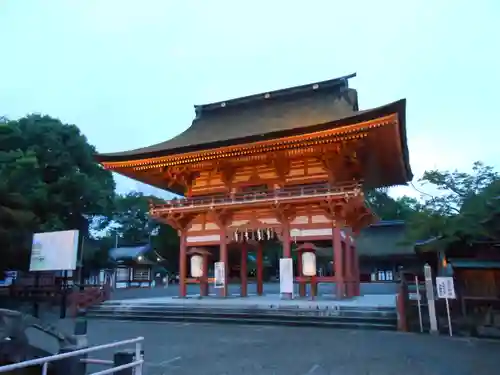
(380, 318)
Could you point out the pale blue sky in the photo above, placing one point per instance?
(129, 72)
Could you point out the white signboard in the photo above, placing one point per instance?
(445, 287)
(286, 275)
(414, 296)
(54, 251)
(219, 275)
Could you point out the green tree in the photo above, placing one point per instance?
(132, 224)
(389, 208)
(48, 171)
(16, 223)
(167, 244)
(76, 187)
(130, 219)
(459, 209)
(16, 176)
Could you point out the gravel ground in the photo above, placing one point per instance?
(218, 349)
(214, 349)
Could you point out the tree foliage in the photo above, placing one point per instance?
(16, 171)
(460, 209)
(49, 181)
(389, 208)
(130, 219)
(131, 224)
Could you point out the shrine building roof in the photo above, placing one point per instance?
(273, 114)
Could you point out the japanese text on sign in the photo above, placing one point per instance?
(445, 287)
(220, 275)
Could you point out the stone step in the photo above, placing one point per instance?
(189, 304)
(369, 319)
(201, 319)
(362, 314)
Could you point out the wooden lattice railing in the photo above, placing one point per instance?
(270, 194)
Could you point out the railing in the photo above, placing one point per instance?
(269, 195)
(44, 362)
(89, 296)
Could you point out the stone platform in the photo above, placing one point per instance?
(269, 301)
(371, 312)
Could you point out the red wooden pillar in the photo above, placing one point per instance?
(349, 267)
(338, 262)
(260, 269)
(204, 282)
(224, 258)
(244, 270)
(287, 250)
(357, 290)
(183, 265)
(302, 284)
(314, 287)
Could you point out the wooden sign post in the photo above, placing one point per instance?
(446, 290)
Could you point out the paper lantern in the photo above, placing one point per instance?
(196, 266)
(309, 263)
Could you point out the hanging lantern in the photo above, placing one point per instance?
(309, 263)
(196, 266)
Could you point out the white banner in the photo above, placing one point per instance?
(219, 275)
(54, 251)
(286, 275)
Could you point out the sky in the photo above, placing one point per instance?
(128, 73)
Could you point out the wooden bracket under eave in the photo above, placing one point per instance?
(227, 172)
(181, 176)
(342, 163)
(285, 213)
(357, 214)
(281, 165)
(334, 210)
(222, 217)
(179, 221)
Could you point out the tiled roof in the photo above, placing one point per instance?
(256, 116)
(121, 253)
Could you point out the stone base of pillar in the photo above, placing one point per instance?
(286, 296)
(204, 288)
(314, 288)
(341, 292)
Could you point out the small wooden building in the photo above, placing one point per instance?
(384, 250)
(133, 268)
(475, 267)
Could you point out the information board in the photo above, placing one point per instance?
(445, 287)
(54, 251)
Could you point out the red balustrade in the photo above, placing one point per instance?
(242, 197)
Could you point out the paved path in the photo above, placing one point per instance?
(268, 301)
(186, 348)
(269, 288)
